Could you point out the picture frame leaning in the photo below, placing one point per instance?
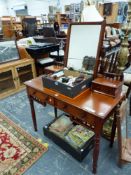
(107, 9)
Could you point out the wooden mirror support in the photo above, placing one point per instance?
(84, 43)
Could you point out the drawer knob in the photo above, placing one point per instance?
(33, 93)
(64, 106)
(46, 98)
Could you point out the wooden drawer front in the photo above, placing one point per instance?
(38, 96)
(81, 116)
(61, 105)
(77, 114)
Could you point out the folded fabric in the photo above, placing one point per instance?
(61, 124)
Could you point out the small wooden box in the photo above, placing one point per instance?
(107, 86)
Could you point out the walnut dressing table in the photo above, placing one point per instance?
(90, 109)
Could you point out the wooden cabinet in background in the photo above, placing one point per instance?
(7, 26)
(14, 74)
(62, 18)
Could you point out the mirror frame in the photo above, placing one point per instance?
(100, 42)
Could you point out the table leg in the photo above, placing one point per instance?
(96, 152)
(130, 105)
(33, 113)
(113, 131)
(55, 111)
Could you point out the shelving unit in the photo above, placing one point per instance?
(7, 26)
(62, 18)
(29, 24)
(15, 73)
(7, 75)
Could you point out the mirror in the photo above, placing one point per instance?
(83, 46)
(8, 51)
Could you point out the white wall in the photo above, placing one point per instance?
(36, 7)
(13, 4)
(3, 8)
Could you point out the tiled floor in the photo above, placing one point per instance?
(56, 161)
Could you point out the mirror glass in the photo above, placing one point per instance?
(83, 47)
(8, 51)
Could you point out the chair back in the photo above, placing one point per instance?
(108, 60)
(48, 32)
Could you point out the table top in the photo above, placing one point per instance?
(98, 104)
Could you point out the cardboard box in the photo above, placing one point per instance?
(67, 90)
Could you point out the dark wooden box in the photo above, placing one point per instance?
(64, 89)
(78, 153)
(107, 86)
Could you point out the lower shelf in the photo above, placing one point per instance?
(77, 153)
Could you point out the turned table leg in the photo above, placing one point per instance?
(96, 152)
(113, 131)
(55, 111)
(33, 113)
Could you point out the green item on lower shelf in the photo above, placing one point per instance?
(78, 136)
(107, 127)
(61, 125)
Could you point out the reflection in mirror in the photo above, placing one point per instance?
(8, 51)
(83, 47)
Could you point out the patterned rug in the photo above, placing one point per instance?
(18, 149)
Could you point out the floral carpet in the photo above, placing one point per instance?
(18, 149)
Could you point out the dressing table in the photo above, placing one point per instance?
(90, 108)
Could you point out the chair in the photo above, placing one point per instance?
(43, 62)
(58, 62)
(124, 143)
(48, 32)
(108, 68)
(127, 82)
(108, 59)
(113, 34)
(60, 57)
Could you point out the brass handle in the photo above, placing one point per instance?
(46, 98)
(50, 99)
(33, 93)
